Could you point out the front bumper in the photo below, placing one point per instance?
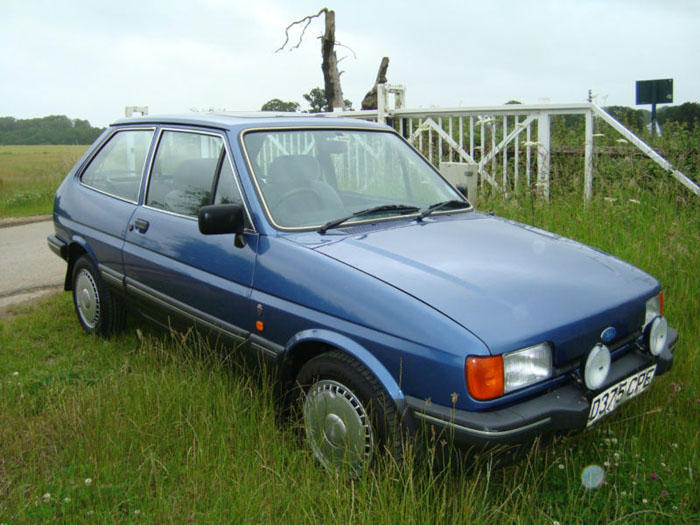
(562, 409)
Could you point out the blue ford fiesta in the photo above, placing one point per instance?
(386, 302)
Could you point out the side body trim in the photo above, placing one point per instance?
(183, 310)
(111, 276)
(262, 345)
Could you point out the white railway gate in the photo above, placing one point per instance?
(502, 143)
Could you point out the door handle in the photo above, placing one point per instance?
(140, 225)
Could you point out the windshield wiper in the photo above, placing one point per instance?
(399, 208)
(453, 203)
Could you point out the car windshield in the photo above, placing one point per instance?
(311, 177)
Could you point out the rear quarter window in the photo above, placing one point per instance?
(118, 166)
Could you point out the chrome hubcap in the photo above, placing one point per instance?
(337, 426)
(87, 299)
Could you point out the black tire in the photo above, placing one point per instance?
(346, 415)
(98, 310)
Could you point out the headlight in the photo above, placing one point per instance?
(657, 335)
(655, 307)
(526, 367)
(493, 376)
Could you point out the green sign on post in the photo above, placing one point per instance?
(654, 92)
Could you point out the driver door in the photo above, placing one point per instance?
(170, 266)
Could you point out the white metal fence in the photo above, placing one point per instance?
(506, 144)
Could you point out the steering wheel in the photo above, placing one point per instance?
(299, 191)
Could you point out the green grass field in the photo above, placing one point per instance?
(150, 428)
(29, 176)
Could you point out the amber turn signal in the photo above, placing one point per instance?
(484, 377)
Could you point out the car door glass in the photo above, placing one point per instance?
(118, 166)
(227, 191)
(183, 172)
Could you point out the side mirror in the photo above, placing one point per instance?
(218, 219)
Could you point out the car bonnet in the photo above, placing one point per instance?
(510, 284)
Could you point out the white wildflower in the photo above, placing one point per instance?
(88, 481)
(47, 496)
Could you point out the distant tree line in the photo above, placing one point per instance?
(316, 98)
(54, 129)
(638, 119)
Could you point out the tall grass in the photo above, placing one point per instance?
(165, 432)
(29, 176)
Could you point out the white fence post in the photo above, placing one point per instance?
(543, 153)
(381, 103)
(588, 159)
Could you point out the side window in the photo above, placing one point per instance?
(226, 189)
(117, 167)
(183, 172)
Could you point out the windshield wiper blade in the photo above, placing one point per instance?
(452, 203)
(400, 208)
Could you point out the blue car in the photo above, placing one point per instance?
(385, 301)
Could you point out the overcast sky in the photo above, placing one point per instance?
(90, 58)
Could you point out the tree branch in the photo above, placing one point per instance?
(306, 19)
(354, 55)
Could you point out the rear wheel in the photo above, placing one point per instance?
(99, 311)
(346, 415)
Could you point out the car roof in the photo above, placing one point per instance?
(263, 119)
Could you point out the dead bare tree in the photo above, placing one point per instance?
(329, 65)
(370, 100)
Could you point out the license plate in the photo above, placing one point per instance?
(607, 401)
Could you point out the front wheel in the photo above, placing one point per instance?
(347, 416)
(99, 311)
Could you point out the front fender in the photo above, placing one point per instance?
(357, 351)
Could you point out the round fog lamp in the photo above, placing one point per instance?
(658, 332)
(597, 367)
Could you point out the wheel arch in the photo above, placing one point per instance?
(76, 249)
(308, 344)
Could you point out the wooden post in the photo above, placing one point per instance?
(331, 76)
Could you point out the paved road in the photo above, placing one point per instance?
(28, 268)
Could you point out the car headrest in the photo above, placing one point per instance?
(294, 170)
(197, 172)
